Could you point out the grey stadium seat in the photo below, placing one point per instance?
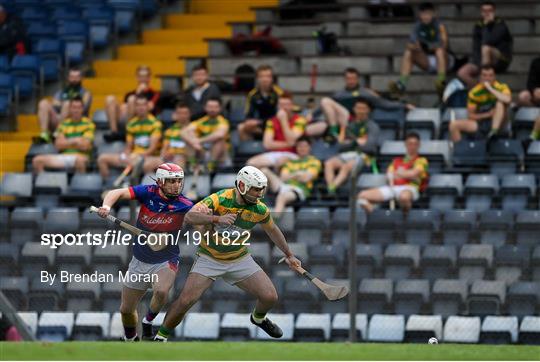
(367, 181)
(9, 258)
(286, 220)
(443, 190)
(335, 306)
(237, 327)
(474, 260)
(299, 295)
(201, 326)
(529, 330)
(505, 156)
(110, 296)
(309, 236)
(516, 190)
(524, 120)
(223, 181)
(113, 147)
(310, 327)
(438, 261)
(374, 295)
(457, 226)
(247, 149)
(499, 330)
(17, 184)
(535, 261)
(425, 121)
(45, 297)
(341, 324)
(36, 257)
(400, 260)
(80, 297)
(420, 226)
(510, 261)
(368, 259)
(26, 224)
(410, 296)
(51, 182)
(448, 296)
(30, 319)
(381, 226)
(313, 217)
(470, 153)
(522, 298)
(386, 328)
(299, 249)
(55, 326)
(62, 220)
(420, 328)
(479, 190)
(91, 326)
(327, 254)
(486, 297)
(112, 254)
(527, 227)
(449, 114)
(85, 184)
(285, 321)
(462, 330)
(341, 217)
(202, 183)
(74, 257)
(100, 119)
(495, 226)
(323, 150)
(116, 330)
(16, 290)
(260, 251)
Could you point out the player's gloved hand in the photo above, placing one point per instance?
(293, 262)
(227, 219)
(103, 211)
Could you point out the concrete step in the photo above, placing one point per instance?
(220, 6)
(125, 68)
(162, 52)
(98, 100)
(198, 21)
(106, 85)
(175, 36)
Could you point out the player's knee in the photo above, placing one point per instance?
(269, 297)
(126, 311)
(405, 197)
(43, 104)
(327, 102)
(110, 100)
(185, 301)
(161, 295)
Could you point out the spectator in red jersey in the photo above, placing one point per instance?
(280, 135)
(123, 112)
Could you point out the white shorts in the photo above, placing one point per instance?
(231, 272)
(393, 192)
(432, 61)
(297, 190)
(69, 160)
(352, 156)
(141, 269)
(275, 157)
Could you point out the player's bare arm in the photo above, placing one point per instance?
(111, 198)
(277, 237)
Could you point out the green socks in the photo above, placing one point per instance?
(334, 130)
(404, 79)
(535, 135)
(258, 317)
(441, 77)
(164, 332)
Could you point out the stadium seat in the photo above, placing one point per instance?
(260, 251)
(313, 217)
(420, 328)
(201, 326)
(100, 119)
(285, 321)
(84, 188)
(310, 327)
(60, 13)
(125, 11)
(457, 226)
(367, 181)
(341, 324)
(9, 257)
(474, 260)
(236, 327)
(101, 21)
(110, 297)
(425, 121)
(486, 297)
(368, 259)
(529, 330)
(381, 226)
(80, 297)
(443, 190)
(30, 14)
(286, 220)
(535, 261)
(527, 227)
(438, 261)
(55, 326)
(516, 190)
(74, 34)
(202, 184)
(28, 74)
(26, 224)
(374, 295)
(499, 330)
(44, 296)
(400, 260)
(62, 220)
(462, 329)
(298, 249)
(449, 114)
(470, 153)
(247, 149)
(327, 254)
(522, 298)
(91, 326)
(386, 328)
(116, 328)
(510, 261)
(341, 218)
(15, 289)
(30, 319)
(420, 226)
(299, 295)
(74, 258)
(410, 296)
(323, 150)
(390, 121)
(8, 96)
(479, 191)
(223, 181)
(51, 182)
(311, 237)
(36, 257)
(532, 158)
(505, 156)
(524, 120)
(17, 184)
(494, 227)
(335, 306)
(448, 296)
(50, 53)
(41, 30)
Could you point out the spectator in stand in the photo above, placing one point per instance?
(338, 108)
(535, 134)
(51, 113)
(407, 177)
(200, 91)
(531, 96)
(74, 139)
(123, 112)
(492, 45)
(13, 39)
(210, 133)
(358, 143)
(261, 104)
(143, 135)
(427, 48)
(296, 177)
(487, 108)
(280, 135)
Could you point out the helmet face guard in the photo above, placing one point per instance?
(170, 171)
(249, 199)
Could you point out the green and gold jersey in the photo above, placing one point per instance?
(310, 164)
(206, 125)
(482, 99)
(173, 140)
(225, 243)
(72, 129)
(141, 130)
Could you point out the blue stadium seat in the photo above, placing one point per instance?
(28, 73)
(532, 159)
(510, 261)
(7, 94)
(470, 153)
(528, 227)
(420, 226)
(62, 13)
(505, 156)
(74, 33)
(125, 14)
(30, 14)
(495, 226)
(101, 20)
(457, 226)
(41, 30)
(479, 191)
(443, 190)
(390, 121)
(55, 326)
(400, 260)
(438, 261)
(51, 53)
(516, 190)
(382, 224)
(4, 63)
